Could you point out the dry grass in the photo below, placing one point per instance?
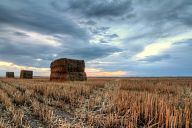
(98, 102)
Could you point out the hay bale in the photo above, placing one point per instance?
(77, 76)
(25, 74)
(67, 65)
(68, 70)
(72, 76)
(10, 74)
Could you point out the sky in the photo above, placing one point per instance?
(114, 37)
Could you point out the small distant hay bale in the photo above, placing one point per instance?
(10, 74)
(26, 74)
(68, 70)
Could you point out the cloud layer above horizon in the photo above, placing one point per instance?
(115, 38)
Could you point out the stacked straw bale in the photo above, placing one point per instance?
(10, 74)
(25, 74)
(68, 70)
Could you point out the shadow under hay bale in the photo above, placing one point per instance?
(68, 70)
(25, 74)
(10, 75)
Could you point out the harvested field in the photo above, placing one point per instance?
(97, 102)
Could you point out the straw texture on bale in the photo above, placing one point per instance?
(25, 74)
(68, 70)
(10, 74)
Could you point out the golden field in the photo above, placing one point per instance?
(98, 102)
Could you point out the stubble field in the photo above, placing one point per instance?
(98, 102)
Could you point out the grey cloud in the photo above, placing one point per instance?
(179, 64)
(108, 38)
(24, 54)
(99, 30)
(20, 34)
(46, 21)
(112, 36)
(157, 19)
(90, 52)
(102, 8)
(156, 58)
(104, 41)
(161, 12)
(186, 42)
(89, 22)
(103, 28)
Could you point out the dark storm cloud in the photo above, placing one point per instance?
(46, 21)
(95, 8)
(164, 11)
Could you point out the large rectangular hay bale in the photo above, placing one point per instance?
(68, 70)
(10, 74)
(26, 74)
